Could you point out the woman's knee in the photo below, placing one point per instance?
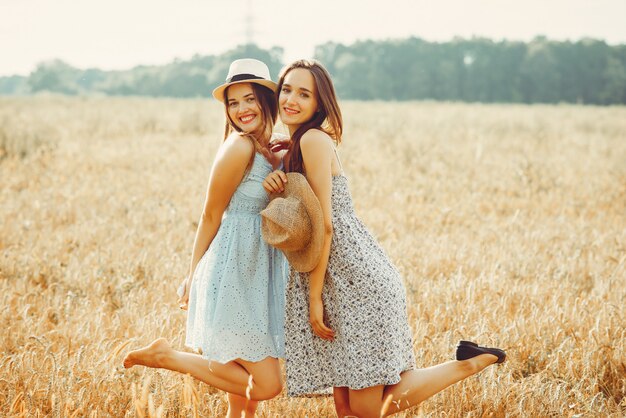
(266, 390)
(266, 382)
(274, 389)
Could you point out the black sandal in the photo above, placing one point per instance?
(467, 349)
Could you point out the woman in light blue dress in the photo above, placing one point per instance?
(235, 289)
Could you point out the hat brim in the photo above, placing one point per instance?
(218, 92)
(305, 260)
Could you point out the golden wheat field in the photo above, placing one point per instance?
(508, 223)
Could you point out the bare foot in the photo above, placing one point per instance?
(153, 355)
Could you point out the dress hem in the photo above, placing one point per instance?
(226, 359)
(319, 390)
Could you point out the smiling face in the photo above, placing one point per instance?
(297, 100)
(243, 108)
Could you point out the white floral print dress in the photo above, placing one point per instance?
(364, 304)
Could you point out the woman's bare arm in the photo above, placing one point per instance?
(227, 172)
(317, 154)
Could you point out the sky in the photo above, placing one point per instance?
(120, 34)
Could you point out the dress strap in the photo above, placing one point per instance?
(338, 160)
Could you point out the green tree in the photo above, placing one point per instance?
(539, 76)
(55, 76)
(478, 69)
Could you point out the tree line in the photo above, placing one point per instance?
(474, 70)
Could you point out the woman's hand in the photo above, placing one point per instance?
(183, 294)
(316, 318)
(275, 182)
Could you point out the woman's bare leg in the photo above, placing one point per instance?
(341, 396)
(414, 387)
(418, 385)
(232, 377)
(239, 407)
(367, 403)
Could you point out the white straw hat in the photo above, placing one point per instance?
(246, 70)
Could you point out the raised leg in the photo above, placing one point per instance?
(414, 387)
(418, 385)
(232, 377)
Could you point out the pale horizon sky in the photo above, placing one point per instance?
(120, 34)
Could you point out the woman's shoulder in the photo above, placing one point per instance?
(315, 137)
(237, 144)
(235, 151)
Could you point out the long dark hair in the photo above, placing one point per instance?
(269, 112)
(327, 118)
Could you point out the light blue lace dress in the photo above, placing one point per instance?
(237, 296)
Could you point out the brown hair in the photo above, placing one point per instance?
(327, 118)
(266, 100)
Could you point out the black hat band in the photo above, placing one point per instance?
(240, 77)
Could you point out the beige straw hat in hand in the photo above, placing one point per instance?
(293, 222)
